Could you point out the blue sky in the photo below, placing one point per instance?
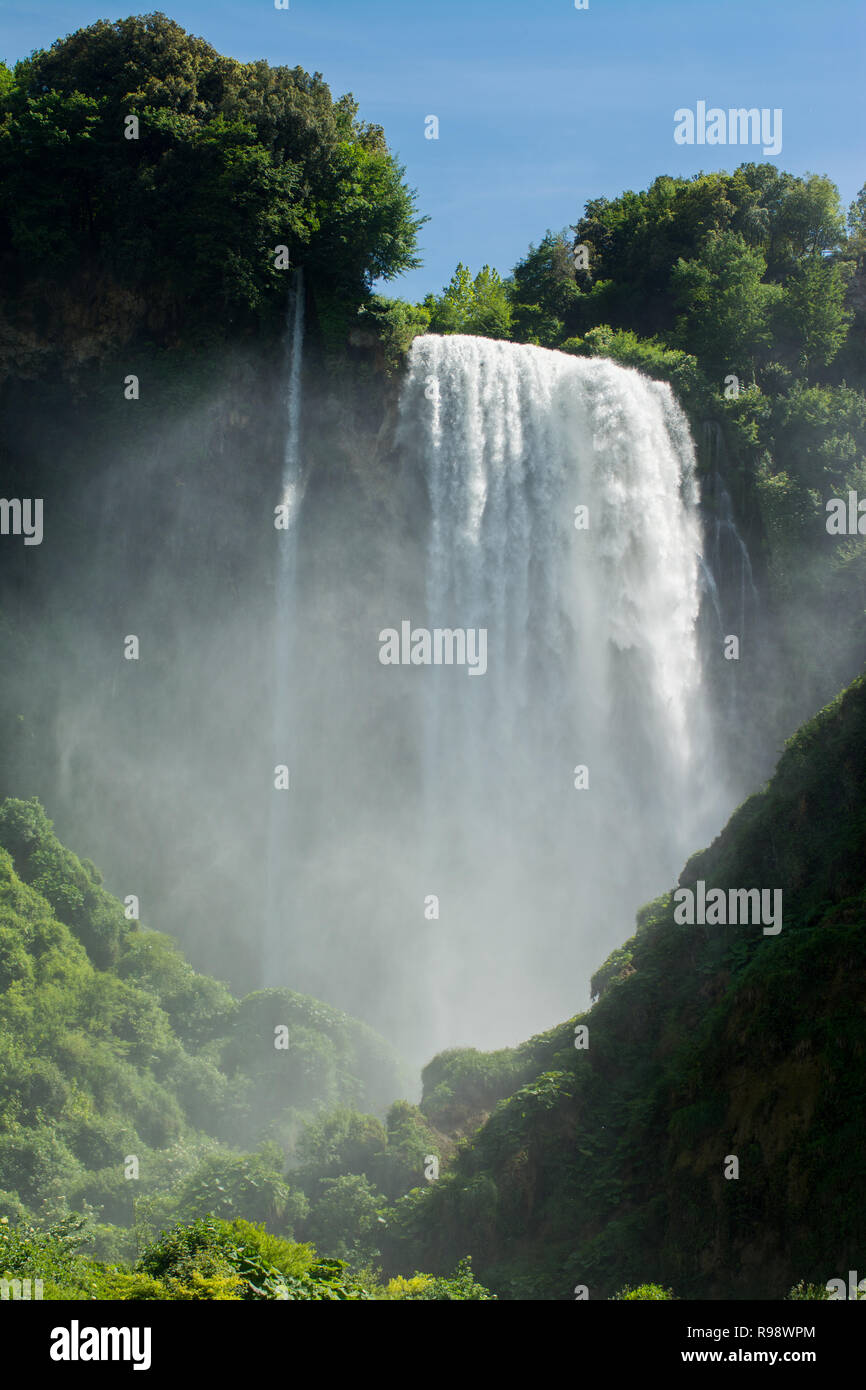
(540, 106)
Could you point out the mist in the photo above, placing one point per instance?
(453, 855)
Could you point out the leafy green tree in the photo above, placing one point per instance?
(857, 213)
(636, 241)
(806, 221)
(396, 323)
(726, 304)
(229, 161)
(200, 1247)
(198, 1007)
(650, 356)
(478, 306)
(242, 1185)
(411, 1138)
(820, 433)
(51, 199)
(96, 918)
(287, 1256)
(814, 311)
(345, 1218)
(341, 1141)
(543, 291)
(49, 1253)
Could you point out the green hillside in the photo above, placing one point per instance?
(135, 1088)
(605, 1165)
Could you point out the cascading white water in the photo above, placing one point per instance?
(292, 490)
(420, 782)
(510, 440)
(291, 496)
(592, 658)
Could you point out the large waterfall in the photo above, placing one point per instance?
(468, 848)
(564, 786)
(591, 618)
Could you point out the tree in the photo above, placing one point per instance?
(228, 161)
(339, 1142)
(813, 310)
(543, 290)
(242, 1185)
(93, 915)
(857, 213)
(809, 221)
(345, 1218)
(459, 1287)
(479, 307)
(725, 303)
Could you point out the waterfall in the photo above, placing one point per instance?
(729, 567)
(592, 661)
(292, 491)
(442, 875)
(510, 439)
(291, 496)
(731, 562)
(728, 581)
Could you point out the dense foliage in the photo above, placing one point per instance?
(128, 1081)
(208, 1260)
(746, 271)
(134, 153)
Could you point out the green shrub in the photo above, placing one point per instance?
(459, 1287)
(396, 322)
(649, 1292)
(814, 1292)
(30, 1252)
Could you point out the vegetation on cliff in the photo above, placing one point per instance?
(128, 1082)
(606, 1165)
(146, 1115)
(140, 165)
